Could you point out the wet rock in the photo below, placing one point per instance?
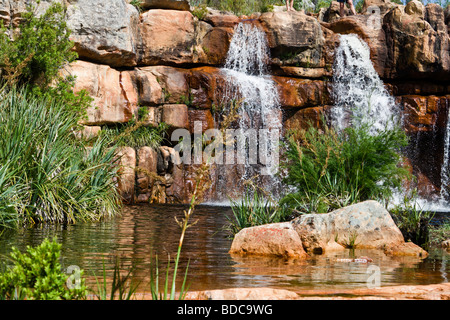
(278, 239)
(206, 87)
(200, 116)
(405, 249)
(215, 45)
(304, 118)
(301, 93)
(104, 33)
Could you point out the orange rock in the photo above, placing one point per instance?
(277, 239)
(405, 249)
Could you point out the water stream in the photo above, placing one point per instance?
(260, 118)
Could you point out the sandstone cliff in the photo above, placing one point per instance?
(166, 59)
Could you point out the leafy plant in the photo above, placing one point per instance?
(134, 134)
(413, 221)
(41, 47)
(122, 286)
(47, 175)
(328, 170)
(37, 275)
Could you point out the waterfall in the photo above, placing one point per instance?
(248, 81)
(359, 94)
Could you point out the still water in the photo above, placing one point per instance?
(142, 232)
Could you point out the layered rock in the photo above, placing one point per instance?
(115, 97)
(167, 60)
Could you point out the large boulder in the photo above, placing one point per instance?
(278, 239)
(105, 33)
(173, 37)
(366, 225)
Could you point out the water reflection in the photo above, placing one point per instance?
(145, 231)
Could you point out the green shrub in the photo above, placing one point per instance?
(413, 221)
(37, 275)
(329, 170)
(134, 134)
(39, 49)
(36, 53)
(48, 175)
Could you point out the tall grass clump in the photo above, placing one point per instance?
(46, 174)
(327, 169)
(253, 209)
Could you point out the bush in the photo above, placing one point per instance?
(48, 175)
(329, 170)
(41, 47)
(37, 275)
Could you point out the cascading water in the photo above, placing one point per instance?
(445, 174)
(361, 98)
(359, 94)
(248, 81)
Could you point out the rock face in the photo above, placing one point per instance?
(167, 60)
(115, 98)
(105, 33)
(366, 225)
(165, 4)
(417, 41)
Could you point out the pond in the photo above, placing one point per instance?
(145, 231)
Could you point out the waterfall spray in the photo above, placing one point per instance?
(359, 94)
(248, 81)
